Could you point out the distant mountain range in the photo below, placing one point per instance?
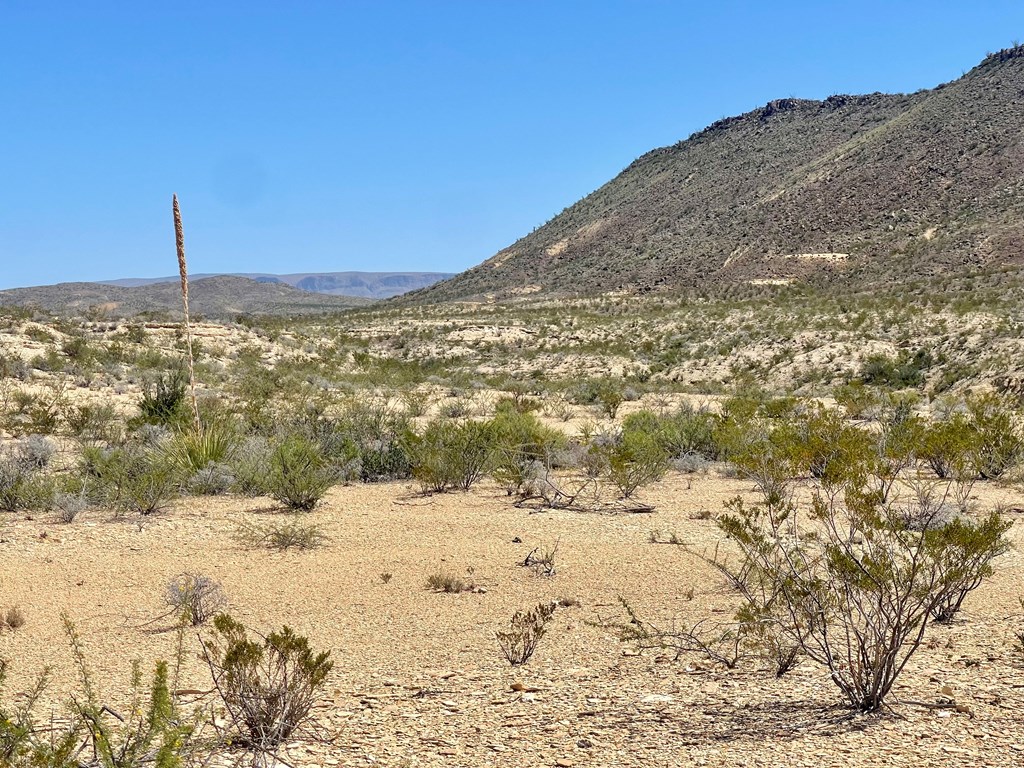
(221, 297)
(850, 190)
(367, 285)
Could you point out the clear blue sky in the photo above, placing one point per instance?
(305, 136)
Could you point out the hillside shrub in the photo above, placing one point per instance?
(905, 370)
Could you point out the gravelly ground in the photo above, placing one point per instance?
(419, 679)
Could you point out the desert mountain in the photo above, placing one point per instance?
(367, 285)
(864, 188)
(213, 297)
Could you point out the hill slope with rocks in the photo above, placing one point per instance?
(873, 187)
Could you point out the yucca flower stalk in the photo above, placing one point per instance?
(179, 239)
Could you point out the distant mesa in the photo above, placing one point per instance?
(367, 285)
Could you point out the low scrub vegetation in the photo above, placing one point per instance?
(269, 685)
(282, 535)
(526, 629)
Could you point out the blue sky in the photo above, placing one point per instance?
(307, 136)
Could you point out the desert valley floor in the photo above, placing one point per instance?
(418, 676)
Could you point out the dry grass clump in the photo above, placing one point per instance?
(293, 534)
(13, 618)
(542, 562)
(194, 598)
(449, 583)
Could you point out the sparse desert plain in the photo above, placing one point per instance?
(419, 679)
(418, 676)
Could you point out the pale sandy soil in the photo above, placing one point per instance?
(419, 680)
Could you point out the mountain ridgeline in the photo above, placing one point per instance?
(865, 188)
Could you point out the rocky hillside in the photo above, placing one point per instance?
(213, 297)
(874, 187)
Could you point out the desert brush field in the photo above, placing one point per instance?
(512, 536)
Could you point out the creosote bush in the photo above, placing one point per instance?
(848, 581)
(299, 474)
(451, 455)
(134, 477)
(636, 456)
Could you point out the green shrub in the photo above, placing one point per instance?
(134, 477)
(23, 486)
(451, 455)
(849, 582)
(269, 685)
(905, 370)
(999, 445)
(95, 423)
(858, 400)
(164, 399)
(151, 733)
(636, 457)
(608, 394)
(298, 474)
(950, 447)
(520, 441)
(691, 431)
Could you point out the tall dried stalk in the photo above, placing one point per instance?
(179, 238)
